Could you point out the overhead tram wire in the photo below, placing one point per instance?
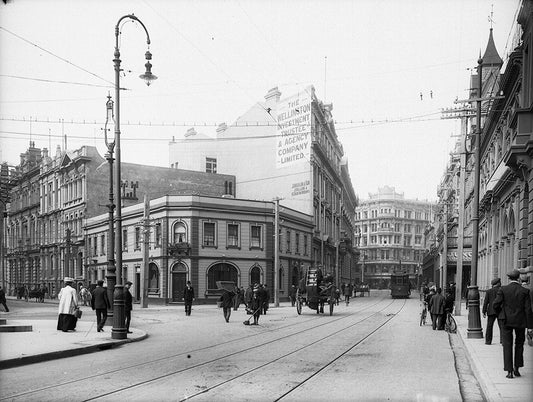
(54, 81)
(55, 55)
(246, 124)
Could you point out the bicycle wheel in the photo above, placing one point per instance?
(451, 325)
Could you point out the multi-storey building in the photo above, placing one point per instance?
(506, 178)
(505, 169)
(54, 196)
(204, 240)
(22, 234)
(449, 249)
(288, 149)
(389, 232)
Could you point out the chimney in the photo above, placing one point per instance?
(272, 98)
(190, 132)
(58, 151)
(45, 153)
(221, 128)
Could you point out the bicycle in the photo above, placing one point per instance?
(450, 325)
(423, 314)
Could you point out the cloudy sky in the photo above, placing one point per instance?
(388, 67)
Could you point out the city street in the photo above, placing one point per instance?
(372, 349)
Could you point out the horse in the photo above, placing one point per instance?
(37, 294)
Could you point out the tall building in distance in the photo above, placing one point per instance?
(389, 232)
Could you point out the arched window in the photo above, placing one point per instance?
(180, 233)
(153, 278)
(179, 267)
(255, 274)
(221, 272)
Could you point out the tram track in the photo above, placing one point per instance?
(300, 349)
(178, 357)
(255, 367)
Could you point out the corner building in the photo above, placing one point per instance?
(204, 240)
(390, 236)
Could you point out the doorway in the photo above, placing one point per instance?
(179, 281)
(138, 286)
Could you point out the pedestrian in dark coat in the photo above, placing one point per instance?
(449, 301)
(256, 303)
(514, 306)
(227, 300)
(488, 310)
(248, 295)
(3, 300)
(188, 298)
(237, 298)
(347, 292)
(100, 304)
(436, 308)
(265, 294)
(292, 295)
(128, 305)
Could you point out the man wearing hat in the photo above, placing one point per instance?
(513, 305)
(128, 305)
(257, 303)
(68, 303)
(188, 297)
(100, 304)
(488, 310)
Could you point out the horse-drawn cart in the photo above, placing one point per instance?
(314, 291)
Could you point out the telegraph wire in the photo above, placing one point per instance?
(55, 55)
(55, 81)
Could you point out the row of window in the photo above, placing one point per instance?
(398, 213)
(295, 242)
(396, 239)
(394, 254)
(374, 227)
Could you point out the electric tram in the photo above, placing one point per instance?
(400, 286)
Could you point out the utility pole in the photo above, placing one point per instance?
(461, 223)
(146, 244)
(463, 112)
(445, 243)
(276, 251)
(474, 329)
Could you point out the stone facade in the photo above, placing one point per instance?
(55, 196)
(390, 236)
(204, 240)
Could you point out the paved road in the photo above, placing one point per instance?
(372, 349)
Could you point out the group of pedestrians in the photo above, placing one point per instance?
(510, 306)
(438, 305)
(69, 306)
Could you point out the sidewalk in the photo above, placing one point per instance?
(487, 364)
(45, 342)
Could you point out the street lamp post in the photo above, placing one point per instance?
(111, 275)
(119, 328)
(474, 329)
